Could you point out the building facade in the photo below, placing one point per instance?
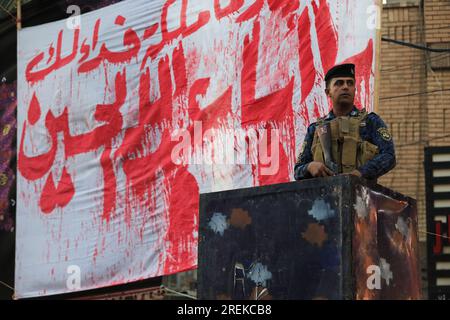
(414, 97)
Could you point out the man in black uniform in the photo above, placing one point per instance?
(347, 140)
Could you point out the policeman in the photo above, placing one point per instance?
(347, 140)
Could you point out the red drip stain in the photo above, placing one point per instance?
(250, 61)
(183, 220)
(276, 4)
(291, 23)
(363, 63)
(60, 196)
(46, 203)
(193, 62)
(307, 69)
(109, 181)
(290, 8)
(277, 170)
(212, 115)
(326, 34)
(304, 113)
(289, 11)
(272, 110)
(317, 114)
(34, 111)
(287, 7)
(274, 43)
(179, 70)
(141, 172)
(150, 113)
(95, 255)
(251, 12)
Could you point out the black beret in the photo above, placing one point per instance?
(341, 70)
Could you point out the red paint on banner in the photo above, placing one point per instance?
(109, 183)
(34, 112)
(155, 185)
(326, 34)
(363, 62)
(251, 11)
(232, 7)
(60, 196)
(272, 111)
(307, 68)
(183, 222)
(120, 20)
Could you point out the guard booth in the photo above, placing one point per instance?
(329, 238)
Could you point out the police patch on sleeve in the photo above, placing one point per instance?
(385, 134)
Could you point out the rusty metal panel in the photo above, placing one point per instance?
(385, 243)
(316, 239)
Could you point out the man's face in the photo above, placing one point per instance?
(341, 91)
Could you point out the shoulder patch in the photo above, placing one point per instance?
(385, 134)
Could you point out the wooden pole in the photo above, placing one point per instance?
(376, 93)
(19, 14)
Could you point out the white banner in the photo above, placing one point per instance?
(126, 114)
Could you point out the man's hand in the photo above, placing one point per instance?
(318, 169)
(356, 173)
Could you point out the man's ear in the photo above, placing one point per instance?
(327, 91)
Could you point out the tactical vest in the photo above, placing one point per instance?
(349, 151)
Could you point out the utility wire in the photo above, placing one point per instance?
(414, 94)
(414, 46)
(433, 234)
(421, 30)
(422, 141)
(6, 285)
(417, 64)
(178, 293)
(9, 13)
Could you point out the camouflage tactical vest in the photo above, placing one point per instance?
(349, 151)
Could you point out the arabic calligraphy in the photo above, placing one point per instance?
(273, 110)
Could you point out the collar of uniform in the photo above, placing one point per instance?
(353, 113)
